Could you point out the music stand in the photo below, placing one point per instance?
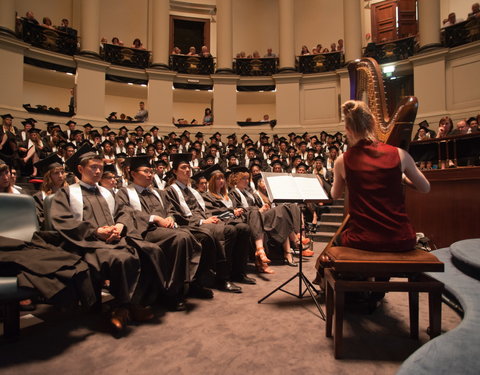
(301, 201)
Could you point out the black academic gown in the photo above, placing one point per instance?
(38, 198)
(243, 244)
(223, 235)
(178, 244)
(118, 262)
(59, 276)
(278, 222)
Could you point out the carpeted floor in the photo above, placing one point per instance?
(231, 334)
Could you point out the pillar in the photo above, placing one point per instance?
(352, 27)
(90, 27)
(429, 23)
(224, 36)
(90, 88)
(160, 97)
(286, 35)
(225, 100)
(11, 74)
(287, 101)
(160, 33)
(7, 17)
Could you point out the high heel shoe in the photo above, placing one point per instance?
(260, 254)
(263, 267)
(288, 259)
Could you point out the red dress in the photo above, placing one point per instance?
(378, 220)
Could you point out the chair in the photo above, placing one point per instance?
(47, 205)
(18, 220)
(343, 262)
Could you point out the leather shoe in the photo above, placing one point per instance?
(244, 279)
(228, 286)
(176, 304)
(119, 320)
(140, 313)
(198, 291)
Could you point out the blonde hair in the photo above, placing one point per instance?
(359, 119)
(47, 184)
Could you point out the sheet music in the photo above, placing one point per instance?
(294, 187)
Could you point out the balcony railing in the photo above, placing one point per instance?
(47, 38)
(391, 51)
(125, 56)
(461, 33)
(256, 67)
(192, 64)
(323, 62)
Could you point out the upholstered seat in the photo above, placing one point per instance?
(340, 262)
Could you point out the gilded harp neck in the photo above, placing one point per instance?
(366, 84)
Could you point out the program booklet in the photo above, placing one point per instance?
(294, 187)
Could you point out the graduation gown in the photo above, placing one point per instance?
(118, 262)
(223, 236)
(59, 276)
(178, 244)
(278, 222)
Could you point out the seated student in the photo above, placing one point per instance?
(219, 203)
(188, 208)
(54, 178)
(148, 208)
(278, 222)
(83, 215)
(109, 179)
(374, 173)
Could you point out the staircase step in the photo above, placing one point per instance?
(340, 202)
(331, 217)
(336, 209)
(321, 236)
(328, 226)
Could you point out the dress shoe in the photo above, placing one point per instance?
(27, 305)
(244, 279)
(307, 253)
(176, 304)
(119, 320)
(140, 313)
(288, 259)
(228, 286)
(198, 291)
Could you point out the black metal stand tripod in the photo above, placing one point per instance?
(301, 278)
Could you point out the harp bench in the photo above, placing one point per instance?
(343, 262)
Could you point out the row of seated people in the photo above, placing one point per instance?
(47, 23)
(137, 43)
(452, 17)
(25, 147)
(192, 51)
(153, 244)
(446, 128)
(318, 49)
(207, 119)
(256, 55)
(140, 116)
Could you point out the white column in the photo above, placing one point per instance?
(225, 100)
(160, 33)
(90, 89)
(429, 23)
(286, 35)
(11, 74)
(287, 101)
(352, 27)
(7, 17)
(90, 26)
(224, 36)
(160, 97)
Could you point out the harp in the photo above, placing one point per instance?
(366, 84)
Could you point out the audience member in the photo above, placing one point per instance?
(142, 114)
(137, 43)
(270, 54)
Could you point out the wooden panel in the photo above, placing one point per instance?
(450, 212)
(407, 22)
(384, 19)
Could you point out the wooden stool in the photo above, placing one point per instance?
(343, 262)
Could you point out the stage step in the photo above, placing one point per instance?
(332, 217)
(321, 236)
(336, 209)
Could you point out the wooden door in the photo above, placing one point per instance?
(384, 21)
(407, 18)
(188, 31)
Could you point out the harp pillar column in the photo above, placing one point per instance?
(224, 36)
(160, 33)
(7, 17)
(286, 35)
(429, 23)
(352, 28)
(89, 28)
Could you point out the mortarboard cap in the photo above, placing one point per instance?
(50, 162)
(178, 159)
